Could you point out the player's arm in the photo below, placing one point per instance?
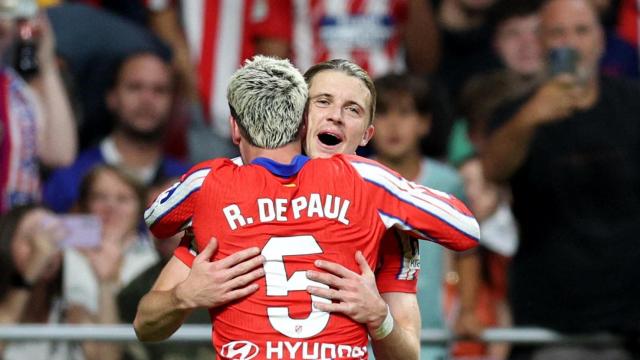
(160, 312)
(404, 340)
(396, 280)
(418, 210)
(180, 289)
(394, 329)
(172, 210)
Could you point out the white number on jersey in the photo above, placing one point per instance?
(278, 285)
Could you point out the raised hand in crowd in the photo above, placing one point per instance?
(555, 100)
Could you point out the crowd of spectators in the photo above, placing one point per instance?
(525, 109)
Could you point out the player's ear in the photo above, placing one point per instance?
(235, 131)
(368, 134)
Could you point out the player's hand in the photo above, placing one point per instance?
(215, 283)
(354, 295)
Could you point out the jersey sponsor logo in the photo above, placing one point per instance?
(239, 350)
(312, 350)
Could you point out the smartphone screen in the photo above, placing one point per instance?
(81, 231)
(563, 60)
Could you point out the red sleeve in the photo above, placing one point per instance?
(172, 210)
(187, 249)
(399, 263)
(418, 210)
(273, 19)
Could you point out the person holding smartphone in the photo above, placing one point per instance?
(570, 153)
(30, 260)
(93, 277)
(36, 122)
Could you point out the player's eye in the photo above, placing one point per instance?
(322, 101)
(354, 109)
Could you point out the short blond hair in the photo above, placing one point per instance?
(267, 98)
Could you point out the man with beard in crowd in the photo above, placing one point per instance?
(140, 101)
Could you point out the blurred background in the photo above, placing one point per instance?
(528, 110)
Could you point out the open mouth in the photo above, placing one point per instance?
(329, 139)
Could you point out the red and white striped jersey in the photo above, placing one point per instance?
(298, 213)
(20, 122)
(364, 31)
(221, 35)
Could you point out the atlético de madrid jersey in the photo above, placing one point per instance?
(298, 213)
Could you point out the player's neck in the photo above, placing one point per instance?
(283, 155)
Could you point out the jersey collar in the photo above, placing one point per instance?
(282, 170)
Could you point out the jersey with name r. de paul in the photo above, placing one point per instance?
(297, 213)
(398, 258)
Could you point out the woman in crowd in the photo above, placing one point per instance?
(92, 278)
(30, 279)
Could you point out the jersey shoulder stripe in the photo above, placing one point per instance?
(171, 198)
(434, 202)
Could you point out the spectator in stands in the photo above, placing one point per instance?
(620, 58)
(36, 127)
(403, 119)
(30, 279)
(569, 152)
(214, 38)
(90, 43)
(381, 37)
(140, 101)
(514, 27)
(130, 295)
(628, 27)
(92, 278)
(466, 42)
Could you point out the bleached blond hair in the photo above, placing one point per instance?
(267, 98)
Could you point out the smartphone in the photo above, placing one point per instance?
(563, 60)
(81, 231)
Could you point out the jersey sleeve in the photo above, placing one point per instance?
(172, 210)
(187, 250)
(399, 263)
(421, 211)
